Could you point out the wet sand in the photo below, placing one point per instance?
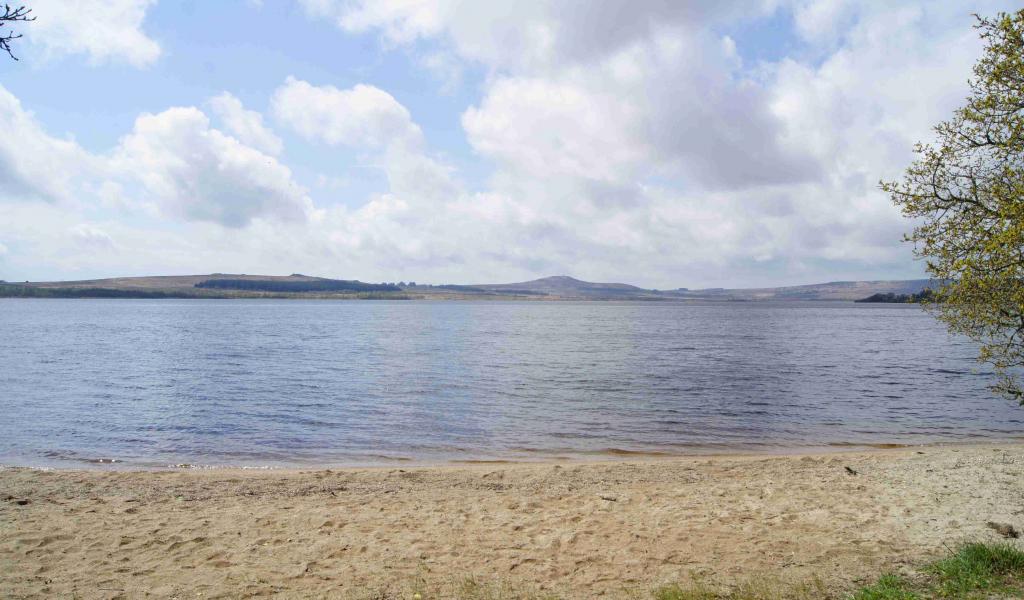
(580, 529)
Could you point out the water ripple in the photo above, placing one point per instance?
(158, 382)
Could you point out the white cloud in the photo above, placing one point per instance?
(602, 90)
(671, 99)
(34, 165)
(198, 173)
(246, 125)
(545, 127)
(615, 134)
(104, 30)
(638, 135)
(173, 162)
(822, 21)
(402, 21)
(363, 116)
(90, 236)
(368, 118)
(534, 34)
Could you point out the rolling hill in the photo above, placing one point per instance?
(559, 287)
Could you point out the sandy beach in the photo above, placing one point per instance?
(579, 529)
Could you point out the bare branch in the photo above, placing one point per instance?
(13, 15)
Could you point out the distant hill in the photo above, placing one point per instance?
(563, 286)
(833, 290)
(566, 287)
(216, 285)
(559, 287)
(164, 282)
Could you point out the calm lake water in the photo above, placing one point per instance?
(241, 382)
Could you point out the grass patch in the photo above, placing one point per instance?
(978, 567)
(888, 587)
(470, 588)
(473, 589)
(972, 571)
(760, 589)
(694, 591)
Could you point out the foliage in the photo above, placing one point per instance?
(925, 296)
(8, 290)
(26, 291)
(470, 289)
(462, 288)
(310, 285)
(967, 193)
(12, 15)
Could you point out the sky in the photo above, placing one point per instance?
(656, 142)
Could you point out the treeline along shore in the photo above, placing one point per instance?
(926, 295)
(220, 285)
(25, 291)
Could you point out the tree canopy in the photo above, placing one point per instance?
(966, 192)
(310, 285)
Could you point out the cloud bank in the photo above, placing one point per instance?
(645, 142)
(105, 31)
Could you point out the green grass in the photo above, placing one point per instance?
(972, 571)
(472, 589)
(694, 591)
(978, 567)
(459, 589)
(759, 589)
(888, 587)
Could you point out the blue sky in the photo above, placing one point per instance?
(660, 143)
(210, 47)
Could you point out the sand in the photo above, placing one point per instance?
(585, 530)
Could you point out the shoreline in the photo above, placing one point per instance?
(482, 298)
(536, 458)
(582, 529)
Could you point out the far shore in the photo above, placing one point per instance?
(554, 288)
(582, 529)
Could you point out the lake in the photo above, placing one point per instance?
(152, 383)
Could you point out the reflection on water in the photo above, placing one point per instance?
(155, 382)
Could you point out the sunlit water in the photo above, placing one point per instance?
(237, 382)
